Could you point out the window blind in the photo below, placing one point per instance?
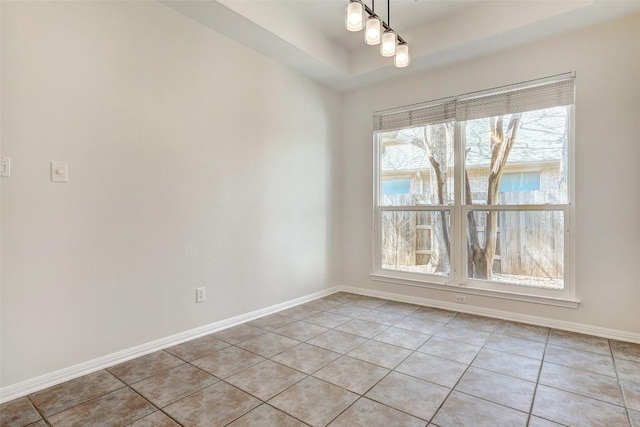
(531, 98)
(418, 115)
(545, 94)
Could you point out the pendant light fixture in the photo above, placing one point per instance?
(355, 16)
(391, 44)
(388, 44)
(372, 31)
(402, 56)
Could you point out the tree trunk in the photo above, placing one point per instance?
(480, 260)
(435, 142)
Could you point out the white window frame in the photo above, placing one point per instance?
(457, 280)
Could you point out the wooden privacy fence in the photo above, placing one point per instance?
(530, 243)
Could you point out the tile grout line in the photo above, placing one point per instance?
(535, 390)
(624, 397)
(42, 417)
(363, 395)
(459, 379)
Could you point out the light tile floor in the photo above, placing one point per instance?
(351, 360)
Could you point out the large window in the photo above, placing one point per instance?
(474, 192)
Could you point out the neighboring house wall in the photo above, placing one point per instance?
(193, 161)
(607, 190)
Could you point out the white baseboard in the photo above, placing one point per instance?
(48, 380)
(500, 314)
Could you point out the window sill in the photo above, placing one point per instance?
(471, 290)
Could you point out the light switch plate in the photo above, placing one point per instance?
(5, 166)
(59, 172)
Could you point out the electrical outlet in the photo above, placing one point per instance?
(201, 295)
(462, 299)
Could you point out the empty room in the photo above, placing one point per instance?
(319, 213)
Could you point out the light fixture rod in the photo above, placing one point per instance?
(384, 24)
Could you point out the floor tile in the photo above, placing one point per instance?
(266, 379)
(71, 393)
(266, 416)
(214, 406)
(368, 302)
(385, 355)
(463, 410)
(173, 385)
(328, 320)
(320, 304)
(352, 374)
(465, 335)
(306, 358)
(157, 419)
(339, 297)
(626, 350)
(587, 361)
(197, 348)
(18, 413)
(383, 317)
(239, 334)
(299, 312)
(366, 412)
(348, 310)
(628, 370)
(581, 382)
(398, 307)
(271, 322)
(449, 349)
(434, 314)
(362, 328)
(402, 338)
(337, 341)
(419, 324)
(631, 394)
(519, 346)
(508, 364)
(464, 320)
(508, 391)
(314, 401)
(574, 410)
(579, 341)
(227, 362)
(408, 394)
(145, 366)
(119, 407)
(327, 353)
(269, 344)
(522, 330)
(541, 422)
(434, 369)
(301, 331)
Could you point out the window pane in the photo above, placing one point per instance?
(416, 166)
(416, 241)
(517, 159)
(517, 247)
(396, 186)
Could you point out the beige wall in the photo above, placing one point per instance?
(607, 229)
(193, 161)
(197, 162)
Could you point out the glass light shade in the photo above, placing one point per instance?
(372, 31)
(388, 44)
(402, 56)
(354, 18)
